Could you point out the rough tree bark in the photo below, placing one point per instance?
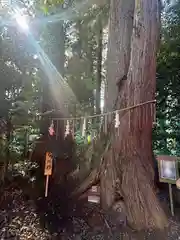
(129, 160)
(119, 46)
(118, 59)
(127, 166)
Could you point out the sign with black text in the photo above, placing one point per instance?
(48, 164)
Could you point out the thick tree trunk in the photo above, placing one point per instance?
(118, 59)
(128, 164)
(119, 46)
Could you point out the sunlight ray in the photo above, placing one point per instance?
(59, 87)
(63, 14)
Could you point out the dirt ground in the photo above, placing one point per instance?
(56, 217)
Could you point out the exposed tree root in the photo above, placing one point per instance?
(94, 170)
(87, 184)
(127, 177)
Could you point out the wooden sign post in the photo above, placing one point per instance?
(168, 173)
(48, 170)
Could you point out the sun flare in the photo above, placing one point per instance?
(21, 21)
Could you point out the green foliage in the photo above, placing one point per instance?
(19, 92)
(167, 132)
(72, 47)
(45, 5)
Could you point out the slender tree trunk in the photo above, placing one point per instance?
(128, 163)
(8, 140)
(25, 150)
(57, 55)
(99, 65)
(90, 72)
(56, 45)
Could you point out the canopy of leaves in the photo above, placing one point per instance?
(167, 140)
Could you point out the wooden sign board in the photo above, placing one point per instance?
(168, 169)
(48, 164)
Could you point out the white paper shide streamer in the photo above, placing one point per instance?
(67, 132)
(84, 128)
(51, 129)
(117, 121)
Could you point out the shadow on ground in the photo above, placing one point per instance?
(29, 216)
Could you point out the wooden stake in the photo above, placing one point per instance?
(47, 184)
(171, 199)
(48, 170)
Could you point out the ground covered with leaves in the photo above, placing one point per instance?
(23, 216)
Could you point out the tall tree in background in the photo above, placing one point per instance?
(19, 90)
(54, 45)
(99, 63)
(133, 38)
(84, 64)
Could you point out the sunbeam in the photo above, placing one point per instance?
(64, 14)
(61, 91)
(59, 87)
(21, 20)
